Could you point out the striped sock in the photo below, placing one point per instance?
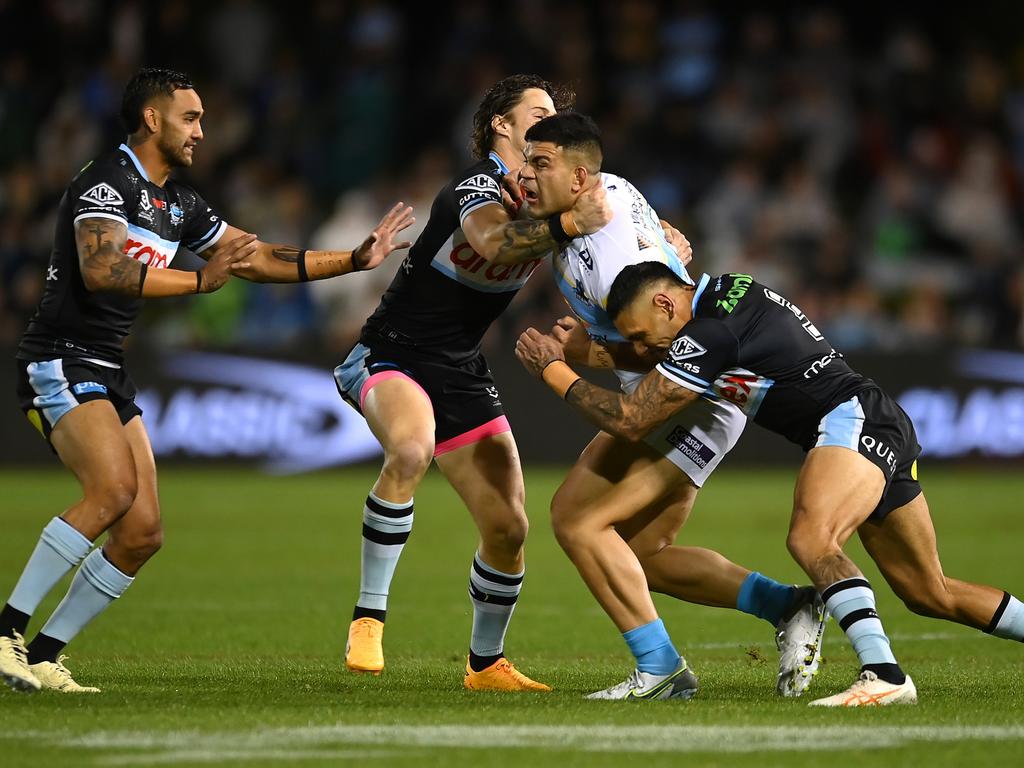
(386, 528)
(1008, 621)
(494, 596)
(852, 603)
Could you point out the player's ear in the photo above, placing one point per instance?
(500, 126)
(151, 118)
(664, 303)
(579, 178)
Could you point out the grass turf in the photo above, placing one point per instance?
(228, 650)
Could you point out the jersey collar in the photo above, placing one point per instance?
(500, 163)
(127, 150)
(704, 280)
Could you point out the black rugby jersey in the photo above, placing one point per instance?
(755, 348)
(445, 295)
(73, 322)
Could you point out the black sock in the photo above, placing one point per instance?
(480, 663)
(891, 673)
(12, 620)
(369, 613)
(44, 648)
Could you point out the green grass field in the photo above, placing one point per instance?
(228, 650)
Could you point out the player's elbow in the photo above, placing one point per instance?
(92, 281)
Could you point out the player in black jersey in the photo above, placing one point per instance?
(119, 226)
(746, 343)
(419, 378)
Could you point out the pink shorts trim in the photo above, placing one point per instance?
(377, 378)
(475, 435)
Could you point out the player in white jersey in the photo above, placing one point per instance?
(622, 504)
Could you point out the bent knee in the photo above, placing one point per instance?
(139, 546)
(508, 533)
(113, 495)
(931, 600)
(409, 458)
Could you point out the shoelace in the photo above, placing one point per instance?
(18, 649)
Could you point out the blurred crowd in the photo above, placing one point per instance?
(871, 172)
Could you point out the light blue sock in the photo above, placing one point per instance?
(765, 598)
(494, 595)
(652, 648)
(96, 585)
(386, 528)
(852, 603)
(60, 549)
(1009, 621)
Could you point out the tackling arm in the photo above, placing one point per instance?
(629, 416)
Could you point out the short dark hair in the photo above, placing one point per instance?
(570, 130)
(502, 97)
(146, 84)
(635, 278)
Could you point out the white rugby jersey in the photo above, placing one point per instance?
(586, 268)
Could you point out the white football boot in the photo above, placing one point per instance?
(56, 677)
(870, 691)
(14, 669)
(680, 684)
(798, 638)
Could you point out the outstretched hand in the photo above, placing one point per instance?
(536, 350)
(375, 248)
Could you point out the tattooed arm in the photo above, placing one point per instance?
(106, 267)
(627, 416)
(501, 240)
(634, 415)
(579, 347)
(273, 263)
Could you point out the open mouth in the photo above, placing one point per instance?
(528, 194)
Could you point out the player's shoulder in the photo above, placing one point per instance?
(723, 296)
(105, 177)
(482, 177)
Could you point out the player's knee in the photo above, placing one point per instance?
(931, 600)
(509, 533)
(114, 494)
(409, 459)
(806, 544)
(562, 520)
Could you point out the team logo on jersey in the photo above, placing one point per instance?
(176, 214)
(103, 195)
(685, 348)
(479, 183)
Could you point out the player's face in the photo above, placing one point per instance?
(548, 180)
(651, 322)
(534, 105)
(180, 128)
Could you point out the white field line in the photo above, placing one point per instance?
(587, 738)
(220, 756)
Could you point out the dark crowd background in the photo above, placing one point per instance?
(868, 163)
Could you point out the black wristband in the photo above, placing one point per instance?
(199, 281)
(558, 233)
(570, 389)
(303, 277)
(142, 277)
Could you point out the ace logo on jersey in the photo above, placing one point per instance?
(684, 348)
(103, 195)
(479, 183)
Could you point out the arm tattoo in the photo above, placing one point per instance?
(524, 240)
(630, 416)
(101, 256)
(285, 253)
